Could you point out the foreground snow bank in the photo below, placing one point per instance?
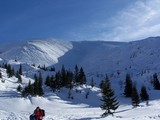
(57, 109)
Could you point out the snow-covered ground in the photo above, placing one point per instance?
(139, 58)
(57, 109)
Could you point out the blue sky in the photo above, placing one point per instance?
(111, 20)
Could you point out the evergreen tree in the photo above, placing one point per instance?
(38, 86)
(9, 70)
(0, 74)
(30, 88)
(109, 101)
(76, 73)
(92, 82)
(144, 95)
(20, 69)
(53, 83)
(5, 65)
(19, 88)
(24, 92)
(135, 96)
(63, 76)
(101, 84)
(156, 83)
(128, 86)
(69, 78)
(40, 90)
(82, 76)
(44, 68)
(47, 82)
(12, 71)
(58, 80)
(40, 77)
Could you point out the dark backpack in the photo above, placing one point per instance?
(43, 112)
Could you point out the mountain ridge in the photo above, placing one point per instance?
(94, 56)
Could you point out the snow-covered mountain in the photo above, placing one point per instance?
(38, 52)
(93, 56)
(139, 58)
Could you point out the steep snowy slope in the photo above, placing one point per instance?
(136, 57)
(38, 52)
(94, 56)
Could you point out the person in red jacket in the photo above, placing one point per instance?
(38, 113)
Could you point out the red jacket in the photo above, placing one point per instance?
(39, 114)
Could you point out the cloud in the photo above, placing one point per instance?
(138, 21)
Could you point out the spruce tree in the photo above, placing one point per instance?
(69, 79)
(40, 90)
(144, 95)
(135, 96)
(128, 86)
(38, 85)
(35, 85)
(110, 103)
(0, 74)
(47, 82)
(9, 70)
(19, 88)
(20, 69)
(101, 84)
(92, 82)
(58, 80)
(30, 88)
(53, 83)
(63, 76)
(156, 83)
(82, 76)
(76, 73)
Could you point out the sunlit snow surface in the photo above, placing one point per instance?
(139, 58)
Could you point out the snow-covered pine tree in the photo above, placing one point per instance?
(82, 76)
(128, 86)
(144, 95)
(47, 82)
(156, 83)
(38, 85)
(19, 88)
(20, 69)
(135, 97)
(76, 72)
(110, 102)
(92, 82)
(0, 74)
(63, 76)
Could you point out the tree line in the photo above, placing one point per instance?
(62, 78)
(110, 102)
